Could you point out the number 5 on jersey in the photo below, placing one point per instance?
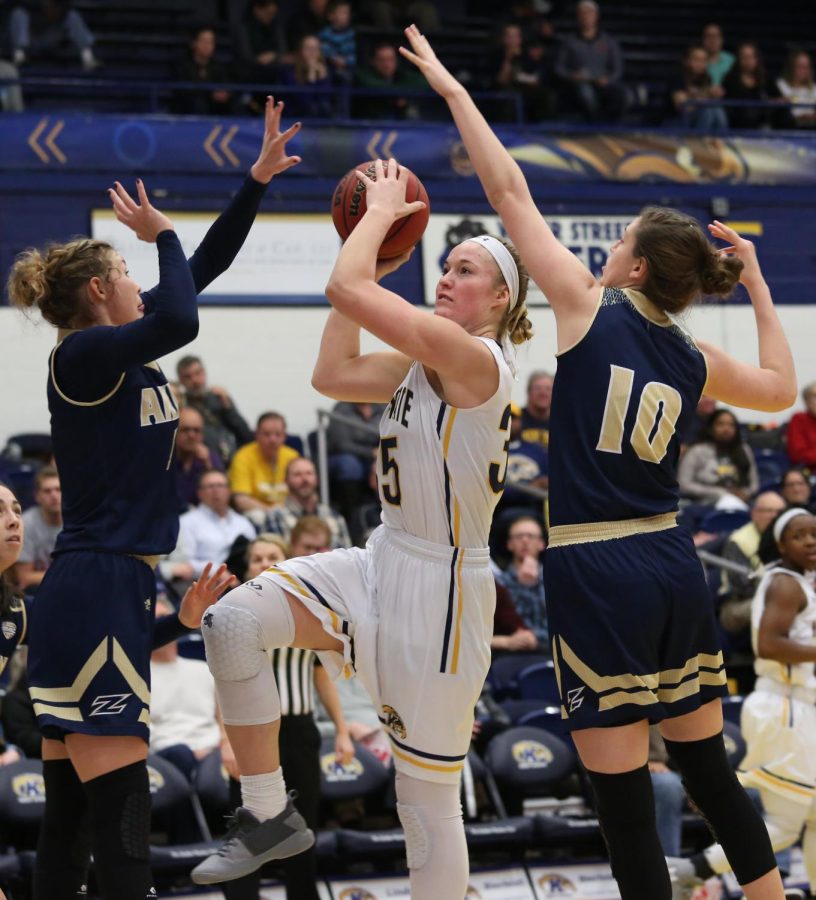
(390, 472)
(657, 415)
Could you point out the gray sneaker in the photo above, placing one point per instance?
(250, 843)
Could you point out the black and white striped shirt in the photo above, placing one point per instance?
(294, 673)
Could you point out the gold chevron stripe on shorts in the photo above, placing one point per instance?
(564, 535)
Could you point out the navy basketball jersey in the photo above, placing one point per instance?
(622, 395)
(113, 455)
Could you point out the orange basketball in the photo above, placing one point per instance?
(349, 206)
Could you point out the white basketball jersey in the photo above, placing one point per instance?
(440, 469)
(801, 631)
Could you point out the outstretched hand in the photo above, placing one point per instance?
(144, 220)
(273, 158)
(423, 57)
(386, 191)
(743, 249)
(203, 593)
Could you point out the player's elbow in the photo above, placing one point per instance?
(339, 291)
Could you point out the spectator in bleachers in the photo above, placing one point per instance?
(524, 576)
(183, 718)
(535, 25)
(43, 522)
(742, 547)
(524, 69)
(718, 61)
(746, 80)
(308, 69)
(796, 85)
(510, 632)
(11, 96)
(257, 474)
(303, 499)
(309, 19)
(338, 42)
(694, 83)
(705, 407)
(801, 435)
(208, 531)
(351, 448)
(535, 417)
(394, 15)
(191, 457)
(298, 675)
(260, 41)
(225, 429)
(39, 26)
(590, 65)
(385, 78)
(796, 489)
(200, 64)
(720, 465)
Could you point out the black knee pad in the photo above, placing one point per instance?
(733, 819)
(626, 812)
(64, 846)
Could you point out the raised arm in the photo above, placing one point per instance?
(353, 290)
(569, 286)
(770, 386)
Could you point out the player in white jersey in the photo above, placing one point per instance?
(411, 613)
(779, 716)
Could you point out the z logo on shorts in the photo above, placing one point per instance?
(109, 704)
(575, 698)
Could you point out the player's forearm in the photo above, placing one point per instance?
(355, 270)
(774, 350)
(498, 172)
(783, 650)
(339, 344)
(330, 699)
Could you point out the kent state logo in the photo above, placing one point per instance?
(156, 779)
(394, 721)
(9, 630)
(531, 755)
(356, 893)
(556, 886)
(334, 770)
(28, 787)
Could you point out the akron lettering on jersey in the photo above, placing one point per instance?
(158, 405)
(400, 406)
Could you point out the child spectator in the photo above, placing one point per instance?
(308, 69)
(796, 86)
(338, 41)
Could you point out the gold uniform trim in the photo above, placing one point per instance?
(433, 767)
(565, 535)
(151, 560)
(72, 714)
(65, 397)
(87, 673)
(665, 686)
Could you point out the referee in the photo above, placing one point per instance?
(298, 674)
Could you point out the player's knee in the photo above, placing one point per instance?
(416, 834)
(239, 630)
(426, 811)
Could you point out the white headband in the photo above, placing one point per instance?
(505, 262)
(509, 269)
(782, 522)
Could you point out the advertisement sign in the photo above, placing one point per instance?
(286, 258)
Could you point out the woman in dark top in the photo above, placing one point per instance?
(113, 422)
(200, 64)
(746, 80)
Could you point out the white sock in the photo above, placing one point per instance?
(264, 795)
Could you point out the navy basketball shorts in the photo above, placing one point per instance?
(632, 628)
(90, 643)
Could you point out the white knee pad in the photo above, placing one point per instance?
(431, 816)
(237, 632)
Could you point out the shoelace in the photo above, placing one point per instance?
(233, 827)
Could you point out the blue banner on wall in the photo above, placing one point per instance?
(166, 144)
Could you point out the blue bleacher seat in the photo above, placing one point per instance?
(504, 670)
(364, 775)
(720, 520)
(735, 746)
(732, 708)
(546, 717)
(295, 442)
(538, 682)
(529, 760)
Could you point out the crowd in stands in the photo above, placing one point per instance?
(550, 61)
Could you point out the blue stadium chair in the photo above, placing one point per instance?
(719, 520)
(363, 776)
(295, 442)
(546, 717)
(504, 670)
(538, 682)
(528, 761)
(191, 646)
(22, 802)
(476, 772)
(732, 708)
(517, 709)
(33, 447)
(771, 465)
(20, 478)
(211, 784)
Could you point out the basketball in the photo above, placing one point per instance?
(349, 206)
